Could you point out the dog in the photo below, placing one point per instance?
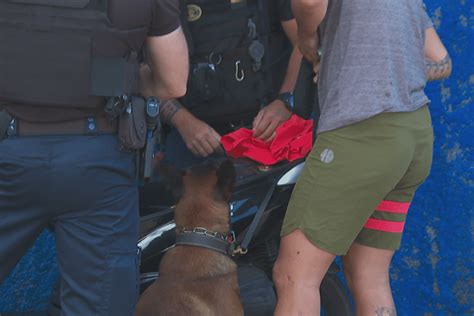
(194, 280)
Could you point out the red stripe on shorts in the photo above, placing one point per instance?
(393, 207)
(384, 226)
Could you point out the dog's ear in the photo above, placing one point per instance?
(172, 177)
(225, 178)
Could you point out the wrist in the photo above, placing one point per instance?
(180, 118)
(288, 100)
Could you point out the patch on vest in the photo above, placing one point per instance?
(327, 156)
(194, 12)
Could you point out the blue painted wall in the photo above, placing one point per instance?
(433, 274)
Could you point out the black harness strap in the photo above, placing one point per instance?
(243, 247)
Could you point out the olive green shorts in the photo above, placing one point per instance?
(359, 180)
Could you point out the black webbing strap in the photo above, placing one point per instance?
(185, 27)
(268, 82)
(257, 218)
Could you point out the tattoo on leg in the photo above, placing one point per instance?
(169, 109)
(385, 311)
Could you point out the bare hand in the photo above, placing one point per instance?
(201, 139)
(268, 119)
(308, 45)
(316, 72)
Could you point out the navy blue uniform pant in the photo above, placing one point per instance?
(85, 188)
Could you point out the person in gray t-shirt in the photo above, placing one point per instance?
(373, 149)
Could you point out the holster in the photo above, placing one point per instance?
(5, 120)
(132, 125)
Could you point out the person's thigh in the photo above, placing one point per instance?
(23, 211)
(301, 261)
(97, 228)
(349, 171)
(384, 227)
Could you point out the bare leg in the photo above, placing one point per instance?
(367, 273)
(298, 273)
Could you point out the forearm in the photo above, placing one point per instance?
(309, 14)
(438, 61)
(439, 70)
(289, 82)
(169, 110)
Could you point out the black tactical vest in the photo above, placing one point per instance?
(238, 60)
(65, 53)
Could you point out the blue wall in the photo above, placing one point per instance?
(433, 274)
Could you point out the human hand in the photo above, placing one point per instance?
(308, 45)
(268, 119)
(316, 71)
(201, 139)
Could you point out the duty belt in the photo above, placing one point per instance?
(85, 126)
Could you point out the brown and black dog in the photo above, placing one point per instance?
(194, 280)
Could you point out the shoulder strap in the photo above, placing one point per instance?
(185, 26)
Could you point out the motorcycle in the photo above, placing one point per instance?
(257, 209)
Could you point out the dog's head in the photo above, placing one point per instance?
(202, 191)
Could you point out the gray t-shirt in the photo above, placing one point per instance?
(373, 60)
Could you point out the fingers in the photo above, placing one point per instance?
(316, 72)
(269, 131)
(257, 120)
(206, 143)
(262, 126)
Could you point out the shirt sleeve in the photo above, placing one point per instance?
(284, 10)
(165, 17)
(427, 23)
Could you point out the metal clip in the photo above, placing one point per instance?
(214, 59)
(252, 29)
(12, 128)
(239, 71)
(239, 251)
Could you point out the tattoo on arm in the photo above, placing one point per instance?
(169, 109)
(439, 70)
(385, 311)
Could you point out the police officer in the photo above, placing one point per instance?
(233, 83)
(61, 162)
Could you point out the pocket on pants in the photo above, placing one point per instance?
(122, 288)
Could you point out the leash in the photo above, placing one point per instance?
(242, 249)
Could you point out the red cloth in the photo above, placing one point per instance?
(293, 140)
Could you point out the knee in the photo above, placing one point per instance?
(286, 275)
(281, 275)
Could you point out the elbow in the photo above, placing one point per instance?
(178, 92)
(311, 4)
(174, 91)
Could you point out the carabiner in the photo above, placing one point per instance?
(239, 72)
